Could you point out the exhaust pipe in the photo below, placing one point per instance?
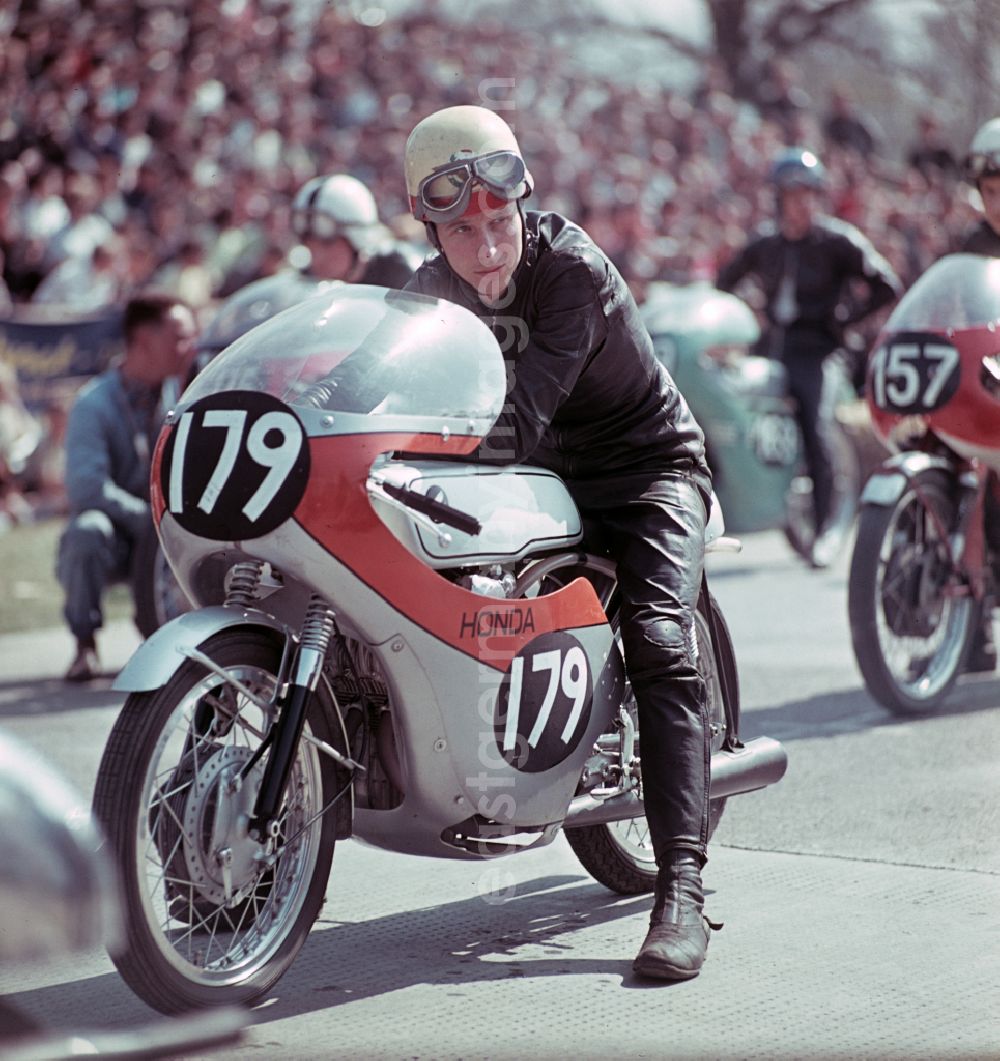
(759, 763)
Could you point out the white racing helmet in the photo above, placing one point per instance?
(328, 207)
(455, 150)
(983, 159)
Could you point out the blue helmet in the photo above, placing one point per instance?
(797, 167)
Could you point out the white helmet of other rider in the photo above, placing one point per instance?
(983, 159)
(337, 206)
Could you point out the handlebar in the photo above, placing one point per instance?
(437, 510)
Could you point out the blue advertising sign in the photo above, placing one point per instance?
(44, 352)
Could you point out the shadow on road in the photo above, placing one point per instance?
(853, 710)
(469, 941)
(50, 696)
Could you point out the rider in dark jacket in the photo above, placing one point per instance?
(805, 266)
(588, 399)
(983, 239)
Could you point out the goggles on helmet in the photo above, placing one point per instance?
(982, 164)
(446, 193)
(317, 225)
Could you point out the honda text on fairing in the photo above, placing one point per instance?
(390, 642)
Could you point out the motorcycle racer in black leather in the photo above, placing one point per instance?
(809, 268)
(336, 220)
(588, 400)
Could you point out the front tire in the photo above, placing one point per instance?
(912, 620)
(213, 917)
(619, 855)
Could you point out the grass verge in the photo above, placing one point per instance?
(30, 595)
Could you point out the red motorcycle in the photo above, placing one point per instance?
(389, 642)
(924, 570)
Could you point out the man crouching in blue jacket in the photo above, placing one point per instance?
(109, 439)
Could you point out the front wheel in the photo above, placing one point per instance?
(213, 915)
(912, 617)
(620, 854)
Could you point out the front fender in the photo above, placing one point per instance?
(886, 484)
(156, 660)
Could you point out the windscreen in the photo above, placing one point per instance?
(369, 350)
(256, 303)
(958, 291)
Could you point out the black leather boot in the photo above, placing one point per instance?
(674, 947)
(983, 651)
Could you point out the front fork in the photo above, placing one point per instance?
(969, 541)
(293, 702)
(966, 540)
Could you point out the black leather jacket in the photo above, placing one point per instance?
(983, 239)
(819, 268)
(588, 397)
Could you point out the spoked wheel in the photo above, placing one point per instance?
(912, 618)
(156, 591)
(620, 854)
(800, 521)
(213, 915)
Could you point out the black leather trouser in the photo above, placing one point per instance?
(812, 387)
(654, 529)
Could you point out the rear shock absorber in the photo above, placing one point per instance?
(287, 731)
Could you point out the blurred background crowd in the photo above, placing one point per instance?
(165, 142)
(162, 143)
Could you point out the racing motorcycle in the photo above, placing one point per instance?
(158, 596)
(924, 568)
(390, 643)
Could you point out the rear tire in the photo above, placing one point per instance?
(911, 634)
(619, 855)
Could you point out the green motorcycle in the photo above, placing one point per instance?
(704, 337)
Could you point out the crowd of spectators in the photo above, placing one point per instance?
(164, 141)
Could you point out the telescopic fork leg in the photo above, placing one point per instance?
(306, 669)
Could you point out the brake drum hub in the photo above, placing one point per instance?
(222, 858)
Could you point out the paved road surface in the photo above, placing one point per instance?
(861, 895)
